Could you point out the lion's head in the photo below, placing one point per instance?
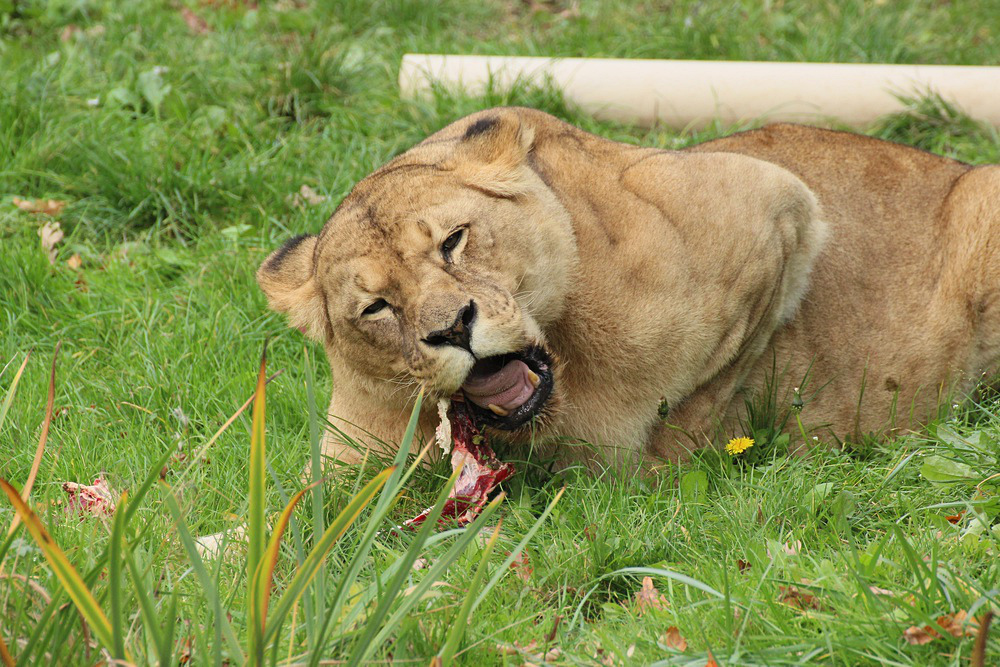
(443, 267)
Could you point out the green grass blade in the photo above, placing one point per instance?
(314, 603)
(115, 576)
(67, 575)
(396, 583)
(434, 573)
(165, 647)
(322, 548)
(461, 622)
(9, 398)
(147, 484)
(222, 627)
(42, 438)
(390, 495)
(260, 585)
(505, 567)
(147, 609)
(646, 571)
(256, 527)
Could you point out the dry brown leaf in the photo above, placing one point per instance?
(522, 566)
(916, 635)
(310, 196)
(51, 234)
(195, 23)
(52, 207)
(529, 652)
(211, 546)
(69, 32)
(880, 591)
(958, 624)
(649, 597)
(792, 548)
(305, 196)
(742, 565)
(93, 498)
(75, 262)
(711, 661)
(794, 597)
(672, 639)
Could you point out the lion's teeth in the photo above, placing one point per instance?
(533, 378)
(497, 410)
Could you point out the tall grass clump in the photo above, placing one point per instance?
(320, 598)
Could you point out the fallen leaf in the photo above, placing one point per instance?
(306, 195)
(51, 207)
(529, 651)
(958, 624)
(185, 656)
(711, 661)
(74, 262)
(69, 32)
(95, 498)
(672, 639)
(195, 23)
(51, 234)
(211, 545)
(649, 597)
(916, 635)
(522, 566)
(955, 518)
(794, 597)
(880, 591)
(792, 548)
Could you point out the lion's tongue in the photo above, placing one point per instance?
(507, 388)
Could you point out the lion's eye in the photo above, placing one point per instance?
(451, 243)
(375, 307)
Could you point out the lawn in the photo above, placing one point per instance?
(181, 142)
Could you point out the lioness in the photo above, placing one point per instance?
(569, 285)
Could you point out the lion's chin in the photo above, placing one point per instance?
(508, 391)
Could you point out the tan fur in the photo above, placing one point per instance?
(654, 276)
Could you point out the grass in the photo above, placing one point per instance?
(178, 154)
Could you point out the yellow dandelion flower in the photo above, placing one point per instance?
(738, 445)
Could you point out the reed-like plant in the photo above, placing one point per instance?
(348, 612)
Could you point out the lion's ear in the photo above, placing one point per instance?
(491, 154)
(288, 280)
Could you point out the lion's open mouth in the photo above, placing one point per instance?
(508, 390)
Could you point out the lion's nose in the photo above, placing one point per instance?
(459, 333)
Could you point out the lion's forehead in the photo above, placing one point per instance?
(404, 225)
